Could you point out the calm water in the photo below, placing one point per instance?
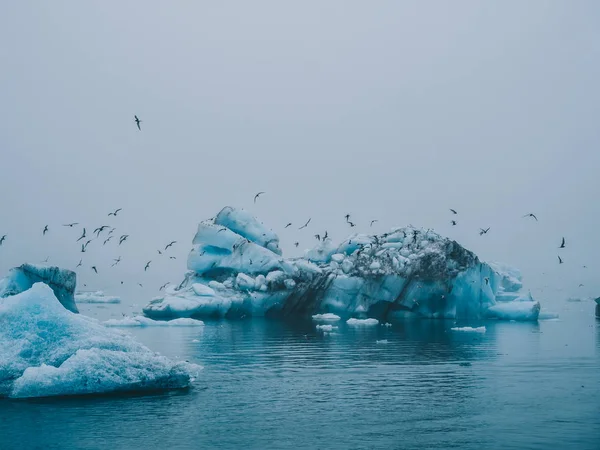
(269, 384)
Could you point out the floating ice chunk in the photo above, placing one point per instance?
(524, 311)
(382, 341)
(215, 285)
(246, 225)
(95, 297)
(347, 266)
(326, 327)
(375, 265)
(322, 252)
(362, 322)
(61, 281)
(275, 277)
(387, 324)
(141, 321)
(195, 341)
(327, 317)
(47, 350)
(289, 283)
(469, 329)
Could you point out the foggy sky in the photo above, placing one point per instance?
(386, 110)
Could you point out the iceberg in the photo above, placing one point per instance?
(327, 317)
(46, 350)
(95, 297)
(61, 281)
(236, 269)
(521, 311)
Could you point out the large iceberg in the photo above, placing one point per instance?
(235, 269)
(46, 350)
(62, 282)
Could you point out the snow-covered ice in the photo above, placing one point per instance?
(404, 273)
(470, 329)
(95, 297)
(327, 317)
(61, 281)
(46, 350)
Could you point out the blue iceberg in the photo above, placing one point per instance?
(236, 269)
(47, 350)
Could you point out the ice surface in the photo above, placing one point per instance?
(362, 322)
(469, 329)
(46, 350)
(523, 311)
(327, 317)
(95, 297)
(141, 321)
(61, 281)
(404, 273)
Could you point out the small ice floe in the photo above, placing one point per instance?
(469, 329)
(362, 322)
(326, 328)
(327, 317)
(382, 341)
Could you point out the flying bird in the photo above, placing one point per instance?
(373, 221)
(45, 230)
(94, 269)
(112, 230)
(453, 222)
(560, 261)
(82, 236)
(137, 122)
(531, 215)
(562, 244)
(580, 284)
(82, 248)
(163, 286)
(80, 263)
(172, 257)
(116, 261)
(123, 238)
(288, 225)
(106, 240)
(306, 224)
(2, 239)
(351, 224)
(46, 260)
(147, 265)
(318, 237)
(482, 231)
(347, 217)
(140, 285)
(100, 230)
(258, 195)
(296, 244)
(453, 211)
(159, 252)
(487, 280)
(170, 244)
(70, 225)
(325, 236)
(115, 212)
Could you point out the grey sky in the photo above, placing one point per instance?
(389, 110)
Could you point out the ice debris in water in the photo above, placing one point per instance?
(382, 341)
(362, 322)
(141, 321)
(46, 350)
(469, 329)
(326, 327)
(327, 317)
(95, 297)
